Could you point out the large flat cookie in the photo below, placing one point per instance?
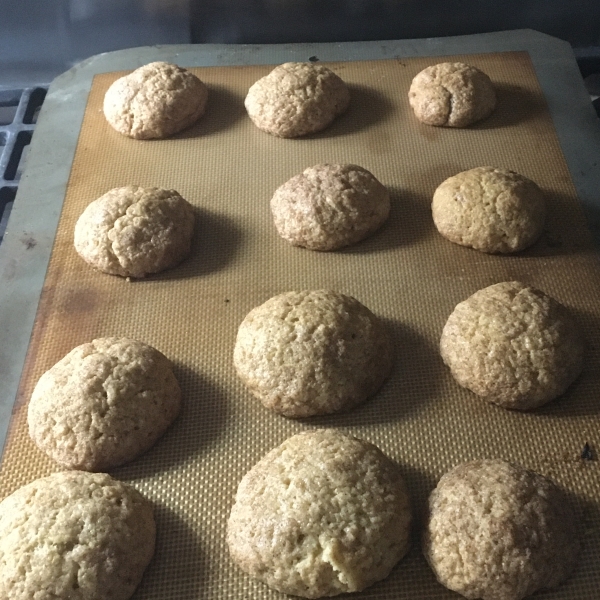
(102, 405)
(497, 531)
(75, 535)
(513, 345)
(323, 514)
(489, 209)
(296, 99)
(312, 353)
(330, 206)
(133, 231)
(155, 101)
(451, 95)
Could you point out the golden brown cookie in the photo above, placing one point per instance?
(492, 210)
(513, 345)
(323, 514)
(134, 231)
(312, 353)
(155, 101)
(75, 535)
(103, 404)
(328, 207)
(497, 531)
(451, 95)
(296, 99)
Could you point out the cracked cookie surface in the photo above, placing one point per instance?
(103, 404)
(76, 535)
(155, 101)
(451, 95)
(497, 531)
(491, 210)
(323, 514)
(513, 345)
(330, 206)
(134, 231)
(296, 99)
(312, 353)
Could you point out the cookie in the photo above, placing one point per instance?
(330, 206)
(134, 231)
(451, 95)
(296, 99)
(497, 531)
(323, 514)
(492, 210)
(75, 535)
(513, 345)
(312, 353)
(102, 405)
(155, 101)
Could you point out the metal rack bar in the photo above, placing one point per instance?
(15, 137)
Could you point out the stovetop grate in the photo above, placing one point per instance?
(19, 109)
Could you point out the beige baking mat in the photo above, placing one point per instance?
(406, 273)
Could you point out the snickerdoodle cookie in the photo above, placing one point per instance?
(103, 404)
(492, 210)
(134, 231)
(451, 95)
(155, 101)
(497, 531)
(312, 353)
(513, 345)
(296, 99)
(75, 535)
(323, 514)
(330, 206)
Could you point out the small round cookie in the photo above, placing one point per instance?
(296, 99)
(102, 405)
(133, 231)
(492, 210)
(497, 531)
(155, 101)
(75, 535)
(451, 95)
(513, 345)
(323, 514)
(312, 353)
(328, 207)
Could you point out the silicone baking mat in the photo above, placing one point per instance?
(406, 273)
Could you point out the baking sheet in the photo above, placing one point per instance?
(406, 273)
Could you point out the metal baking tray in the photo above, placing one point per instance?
(29, 241)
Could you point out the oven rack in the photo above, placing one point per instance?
(19, 109)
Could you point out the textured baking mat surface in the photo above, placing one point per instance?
(406, 273)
